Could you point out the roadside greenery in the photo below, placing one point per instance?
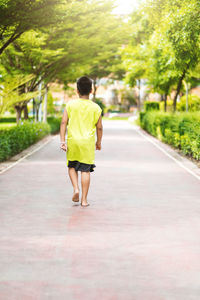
(57, 41)
(101, 104)
(164, 47)
(181, 130)
(151, 105)
(54, 124)
(67, 39)
(193, 104)
(15, 139)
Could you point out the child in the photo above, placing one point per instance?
(82, 118)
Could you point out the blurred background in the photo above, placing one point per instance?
(142, 56)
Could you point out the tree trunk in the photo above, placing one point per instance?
(187, 94)
(25, 112)
(94, 88)
(45, 105)
(37, 112)
(33, 108)
(18, 113)
(139, 100)
(178, 89)
(165, 102)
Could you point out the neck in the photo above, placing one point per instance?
(84, 96)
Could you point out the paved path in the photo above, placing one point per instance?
(139, 239)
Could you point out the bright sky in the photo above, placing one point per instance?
(125, 6)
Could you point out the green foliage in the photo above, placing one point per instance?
(8, 120)
(10, 91)
(181, 130)
(169, 106)
(54, 124)
(50, 105)
(112, 108)
(76, 45)
(128, 98)
(15, 139)
(193, 104)
(19, 16)
(101, 104)
(164, 47)
(141, 116)
(151, 105)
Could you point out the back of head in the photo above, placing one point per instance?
(84, 85)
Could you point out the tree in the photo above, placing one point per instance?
(27, 56)
(161, 72)
(135, 53)
(107, 59)
(19, 16)
(68, 49)
(179, 22)
(10, 95)
(135, 61)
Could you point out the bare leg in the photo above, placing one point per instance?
(85, 183)
(73, 174)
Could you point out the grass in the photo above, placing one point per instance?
(6, 125)
(116, 118)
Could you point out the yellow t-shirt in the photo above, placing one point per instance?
(83, 115)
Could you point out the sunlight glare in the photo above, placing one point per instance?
(125, 6)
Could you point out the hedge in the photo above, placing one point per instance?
(54, 124)
(181, 130)
(101, 104)
(193, 104)
(15, 139)
(151, 105)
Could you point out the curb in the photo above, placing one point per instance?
(11, 162)
(172, 153)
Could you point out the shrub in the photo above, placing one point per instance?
(193, 104)
(101, 104)
(8, 120)
(15, 139)
(182, 130)
(112, 108)
(142, 114)
(151, 105)
(169, 105)
(54, 124)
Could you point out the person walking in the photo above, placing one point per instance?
(82, 118)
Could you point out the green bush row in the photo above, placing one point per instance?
(181, 130)
(151, 105)
(8, 120)
(193, 104)
(15, 139)
(54, 124)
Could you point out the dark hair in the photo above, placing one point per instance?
(84, 85)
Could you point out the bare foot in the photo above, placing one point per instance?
(75, 197)
(84, 203)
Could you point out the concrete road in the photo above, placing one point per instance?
(138, 240)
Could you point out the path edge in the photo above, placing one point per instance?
(14, 160)
(181, 160)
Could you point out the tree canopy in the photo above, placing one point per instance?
(80, 37)
(166, 35)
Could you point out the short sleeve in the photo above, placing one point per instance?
(68, 109)
(98, 112)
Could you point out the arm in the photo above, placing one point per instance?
(99, 130)
(63, 126)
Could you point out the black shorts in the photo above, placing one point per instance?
(78, 166)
